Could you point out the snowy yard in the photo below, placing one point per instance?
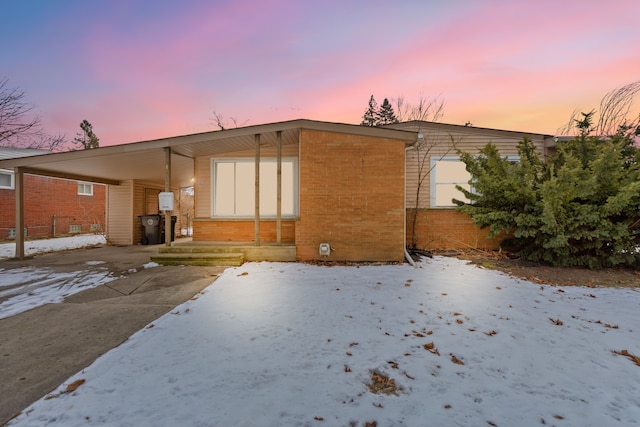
(286, 344)
(33, 247)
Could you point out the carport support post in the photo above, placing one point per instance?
(257, 192)
(279, 188)
(167, 188)
(19, 193)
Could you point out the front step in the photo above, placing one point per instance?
(226, 259)
(251, 253)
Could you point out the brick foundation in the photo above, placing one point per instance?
(449, 229)
(242, 231)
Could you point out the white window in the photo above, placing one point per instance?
(85, 189)
(233, 187)
(12, 233)
(6, 179)
(75, 229)
(446, 173)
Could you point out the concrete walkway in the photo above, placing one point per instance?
(43, 347)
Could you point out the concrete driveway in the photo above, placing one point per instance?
(41, 348)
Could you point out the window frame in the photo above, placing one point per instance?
(434, 183)
(215, 161)
(84, 186)
(12, 179)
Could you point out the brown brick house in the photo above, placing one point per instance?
(289, 187)
(53, 207)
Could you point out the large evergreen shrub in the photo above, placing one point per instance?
(579, 208)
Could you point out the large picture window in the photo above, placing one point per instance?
(233, 187)
(446, 173)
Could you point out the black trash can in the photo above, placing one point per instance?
(151, 230)
(174, 219)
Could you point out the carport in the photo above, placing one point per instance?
(167, 163)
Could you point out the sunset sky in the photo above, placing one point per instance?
(147, 69)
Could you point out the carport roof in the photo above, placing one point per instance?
(145, 160)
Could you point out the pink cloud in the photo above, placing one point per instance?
(516, 65)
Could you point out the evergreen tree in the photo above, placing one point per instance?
(386, 115)
(87, 138)
(580, 208)
(370, 117)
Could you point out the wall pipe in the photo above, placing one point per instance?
(406, 150)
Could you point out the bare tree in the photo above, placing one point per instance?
(615, 107)
(220, 121)
(613, 115)
(425, 149)
(42, 141)
(20, 128)
(15, 113)
(426, 109)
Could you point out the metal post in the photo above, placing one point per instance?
(19, 190)
(167, 188)
(257, 191)
(279, 188)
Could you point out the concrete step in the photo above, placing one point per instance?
(231, 259)
(188, 249)
(251, 253)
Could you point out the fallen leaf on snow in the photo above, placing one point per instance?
(455, 360)
(556, 322)
(74, 385)
(635, 359)
(431, 347)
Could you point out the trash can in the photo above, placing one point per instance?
(150, 229)
(174, 219)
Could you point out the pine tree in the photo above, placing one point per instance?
(386, 115)
(87, 138)
(370, 116)
(580, 208)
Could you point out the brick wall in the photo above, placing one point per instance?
(45, 198)
(351, 196)
(449, 229)
(242, 231)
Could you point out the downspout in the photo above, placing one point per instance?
(406, 253)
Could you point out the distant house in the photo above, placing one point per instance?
(296, 190)
(53, 207)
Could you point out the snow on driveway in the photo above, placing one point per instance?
(286, 344)
(29, 287)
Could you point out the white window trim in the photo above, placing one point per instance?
(296, 196)
(12, 180)
(433, 183)
(90, 193)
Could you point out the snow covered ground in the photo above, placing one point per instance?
(286, 344)
(29, 287)
(33, 247)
